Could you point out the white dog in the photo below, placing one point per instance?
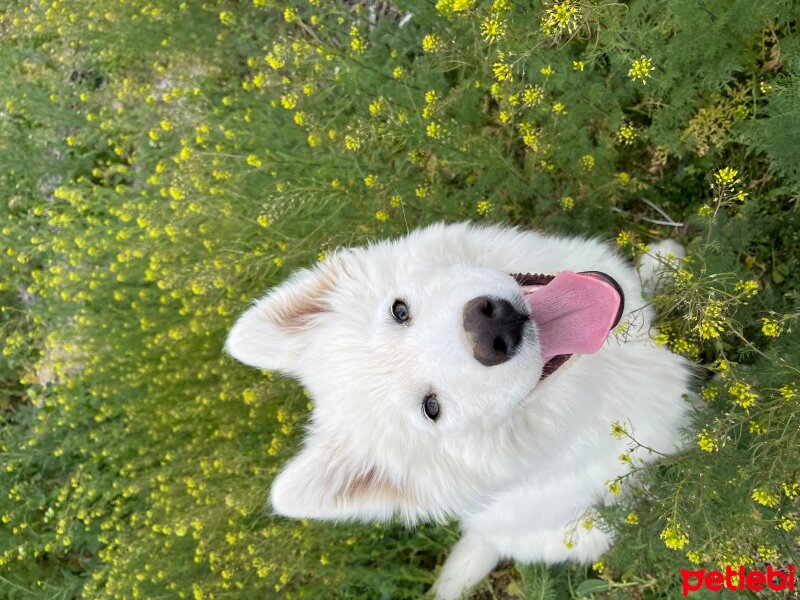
(444, 386)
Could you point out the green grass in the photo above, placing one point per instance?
(162, 164)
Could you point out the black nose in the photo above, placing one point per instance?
(494, 328)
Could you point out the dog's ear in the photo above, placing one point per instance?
(322, 482)
(272, 333)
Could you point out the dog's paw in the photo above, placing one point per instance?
(470, 561)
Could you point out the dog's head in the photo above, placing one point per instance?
(404, 345)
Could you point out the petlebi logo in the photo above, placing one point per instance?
(739, 579)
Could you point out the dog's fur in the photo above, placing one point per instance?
(517, 460)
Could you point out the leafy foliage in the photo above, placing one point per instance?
(164, 163)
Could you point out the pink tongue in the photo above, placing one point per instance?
(574, 313)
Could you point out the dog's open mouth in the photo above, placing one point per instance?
(574, 312)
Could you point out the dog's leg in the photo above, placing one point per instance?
(650, 264)
(470, 560)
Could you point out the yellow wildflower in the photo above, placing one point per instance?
(706, 442)
(431, 43)
(673, 535)
(434, 130)
(289, 101)
(709, 329)
(788, 392)
(532, 95)
(747, 288)
(352, 143)
(709, 393)
(787, 524)
(771, 328)
(640, 69)
(743, 394)
(767, 554)
(530, 136)
(493, 28)
(726, 176)
(358, 44)
(558, 18)
(502, 71)
(791, 490)
(705, 211)
(626, 133)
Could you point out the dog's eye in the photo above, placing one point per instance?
(430, 405)
(400, 311)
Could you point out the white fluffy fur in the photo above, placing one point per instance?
(516, 460)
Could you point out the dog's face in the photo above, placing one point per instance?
(437, 343)
(403, 346)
